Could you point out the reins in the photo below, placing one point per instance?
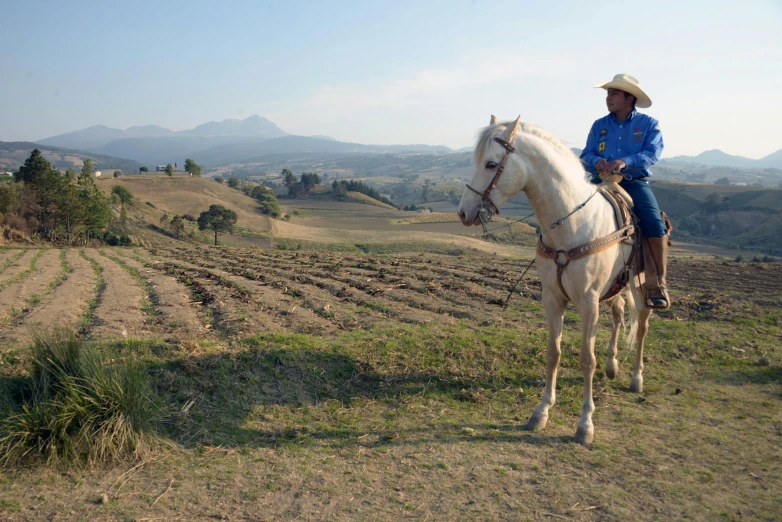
(488, 209)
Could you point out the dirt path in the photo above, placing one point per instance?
(5, 255)
(16, 267)
(24, 295)
(176, 315)
(65, 307)
(120, 311)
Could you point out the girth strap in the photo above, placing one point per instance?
(587, 249)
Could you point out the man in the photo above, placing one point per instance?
(627, 142)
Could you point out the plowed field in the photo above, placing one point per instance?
(193, 292)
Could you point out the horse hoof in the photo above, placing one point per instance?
(584, 435)
(612, 368)
(536, 422)
(637, 385)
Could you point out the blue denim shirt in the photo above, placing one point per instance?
(637, 140)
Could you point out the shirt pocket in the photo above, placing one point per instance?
(637, 140)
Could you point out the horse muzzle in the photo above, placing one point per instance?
(471, 218)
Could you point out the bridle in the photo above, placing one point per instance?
(488, 208)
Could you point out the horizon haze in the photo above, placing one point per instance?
(403, 74)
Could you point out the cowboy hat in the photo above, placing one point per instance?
(626, 83)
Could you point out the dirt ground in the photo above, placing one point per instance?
(425, 425)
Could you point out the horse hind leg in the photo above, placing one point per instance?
(641, 328)
(555, 312)
(618, 319)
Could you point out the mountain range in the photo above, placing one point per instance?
(243, 141)
(718, 158)
(213, 143)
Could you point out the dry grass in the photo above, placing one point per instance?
(358, 197)
(430, 217)
(186, 195)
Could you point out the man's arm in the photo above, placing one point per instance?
(650, 152)
(589, 156)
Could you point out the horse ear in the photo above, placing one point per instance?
(493, 120)
(510, 130)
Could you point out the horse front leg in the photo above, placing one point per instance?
(589, 308)
(617, 318)
(555, 312)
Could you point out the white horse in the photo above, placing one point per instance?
(555, 183)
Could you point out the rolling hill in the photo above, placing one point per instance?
(744, 216)
(13, 154)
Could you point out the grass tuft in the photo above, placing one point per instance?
(74, 408)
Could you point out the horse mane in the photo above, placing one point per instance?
(487, 134)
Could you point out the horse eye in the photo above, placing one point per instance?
(491, 165)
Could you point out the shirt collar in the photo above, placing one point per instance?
(629, 116)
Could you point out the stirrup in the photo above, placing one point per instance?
(657, 298)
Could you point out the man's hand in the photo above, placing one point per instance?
(602, 167)
(615, 166)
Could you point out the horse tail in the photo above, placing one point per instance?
(632, 329)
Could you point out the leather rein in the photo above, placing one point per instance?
(489, 208)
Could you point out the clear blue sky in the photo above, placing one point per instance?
(394, 72)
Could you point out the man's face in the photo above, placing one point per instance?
(618, 102)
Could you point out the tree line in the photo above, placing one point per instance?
(46, 203)
(305, 185)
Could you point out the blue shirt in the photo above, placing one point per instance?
(637, 140)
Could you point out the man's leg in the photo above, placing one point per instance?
(655, 232)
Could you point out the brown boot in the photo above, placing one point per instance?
(657, 294)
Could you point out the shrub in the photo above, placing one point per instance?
(114, 240)
(74, 408)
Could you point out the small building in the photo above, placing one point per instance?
(98, 173)
(160, 168)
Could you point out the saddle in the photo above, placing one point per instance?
(627, 231)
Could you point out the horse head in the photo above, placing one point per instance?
(489, 189)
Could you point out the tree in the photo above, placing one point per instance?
(34, 170)
(233, 182)
(715, 202)
(308, 181)
(267, 199)
(177, 226)
(288, 177)
(217, 218)
(192, 167)
(169, 170)
(122, 194)
(117, 173)
(219, 179)
(97, 211)
(86, 169)
(72, 209)
(143, 169)
(454, 197)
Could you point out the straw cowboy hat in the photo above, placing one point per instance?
(626, 83)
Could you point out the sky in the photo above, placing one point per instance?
(398, 72)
